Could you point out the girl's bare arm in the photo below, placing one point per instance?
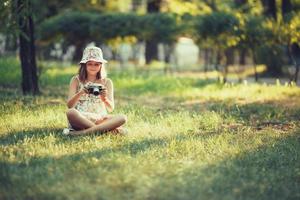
(73, 96)
(108, 96)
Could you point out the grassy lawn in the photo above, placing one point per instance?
(189, 138)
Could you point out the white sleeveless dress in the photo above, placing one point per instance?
(90, 106)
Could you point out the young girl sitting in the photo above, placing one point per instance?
(87, 111)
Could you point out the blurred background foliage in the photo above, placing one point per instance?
(267, 31)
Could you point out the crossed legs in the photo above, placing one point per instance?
(84, 126)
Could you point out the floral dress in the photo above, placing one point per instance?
(90, 106)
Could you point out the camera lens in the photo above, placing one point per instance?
(96, 91)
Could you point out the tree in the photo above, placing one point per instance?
(27, 47)
(255, 35)
(20, 23)
(270, 9)
(153, 6)
(292, 37)
(286, 7)
(284, 23)
(73, 27)
(219, 30)
(289, 34)
(295, 51)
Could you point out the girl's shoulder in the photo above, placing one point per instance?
(108, 82)
(105, 81)
(75, 77)
(75, 80)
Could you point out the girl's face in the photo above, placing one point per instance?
(93, 67)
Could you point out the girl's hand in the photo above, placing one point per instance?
(85, 90)
(103, 94)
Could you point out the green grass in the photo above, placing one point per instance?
(189, 139)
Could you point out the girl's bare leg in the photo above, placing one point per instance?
(117, 130)
(103, 119)
(107, 125)
(77, 120)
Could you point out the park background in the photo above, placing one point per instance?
(210, 89)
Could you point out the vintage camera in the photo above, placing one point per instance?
(95, 89)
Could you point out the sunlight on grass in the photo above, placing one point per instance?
(188, 138)
(242, 94)
(233, 72)
(58, 75)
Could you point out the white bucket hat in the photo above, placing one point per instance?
(92, 54)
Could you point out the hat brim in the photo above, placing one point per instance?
(100, 61)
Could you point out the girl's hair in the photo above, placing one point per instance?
(83, 72)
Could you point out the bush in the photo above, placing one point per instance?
(71, 26)
(273, 56)
(216, 23)
(77, 26)
(160, 27)
(109, 26)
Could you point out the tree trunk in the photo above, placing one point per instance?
(212, 4)
(296, 73)
(79, 47)
(151, 51)
(218, 58)
(240, 2)
(206, 59)
(153, 6)
(254, 65)
(242, 60)
(27, 49)
(241, 63)
(286, 6)
(229, 53)
(270, 8)
(294, 50)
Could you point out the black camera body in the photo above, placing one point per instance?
(95, 89)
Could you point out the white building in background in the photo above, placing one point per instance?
(139, 53)
(68, 56)
(107, 52)
(124, 53)
(185, 54)
(161, 54)
(57, 51)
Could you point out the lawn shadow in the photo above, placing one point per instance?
(64, 167)
(15, 137)
(268, 172)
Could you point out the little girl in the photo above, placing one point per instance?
(87, 113)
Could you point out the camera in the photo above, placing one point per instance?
(95, 89)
